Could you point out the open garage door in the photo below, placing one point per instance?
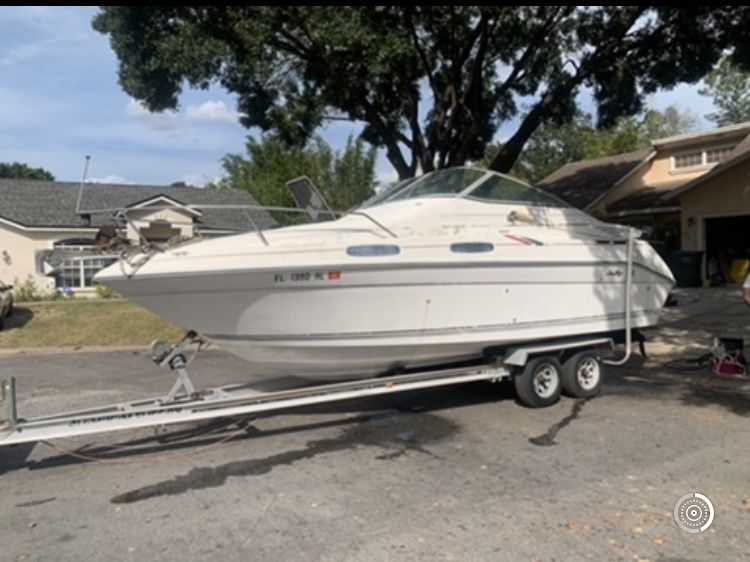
(727, 239)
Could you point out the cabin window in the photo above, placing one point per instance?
(370, 250)
(471, 247)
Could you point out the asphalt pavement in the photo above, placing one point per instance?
(459, 473)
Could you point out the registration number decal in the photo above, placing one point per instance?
(306, 276)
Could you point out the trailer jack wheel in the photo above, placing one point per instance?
(540, 382)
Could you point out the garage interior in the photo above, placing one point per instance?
(727, 248)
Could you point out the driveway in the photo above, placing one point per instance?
(461, 473)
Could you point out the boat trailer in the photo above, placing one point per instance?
(184, 403)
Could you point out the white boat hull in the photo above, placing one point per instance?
(344, 321)
(405, 283)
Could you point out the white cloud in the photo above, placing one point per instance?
(49, 20)
(200, 180)
(212, 110)
(28, 51)
(46, 31)
(159, 121)
(111, 178)
(195, 180)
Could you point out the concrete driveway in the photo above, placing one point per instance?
(461, 473)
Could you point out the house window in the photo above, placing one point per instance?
(707, 157)
(716, 155)
(78, 272)
(688, 160)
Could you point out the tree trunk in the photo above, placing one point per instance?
(511, 150)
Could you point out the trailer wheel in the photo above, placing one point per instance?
(582, 375)
(540, 382)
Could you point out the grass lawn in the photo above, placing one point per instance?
(84, 323)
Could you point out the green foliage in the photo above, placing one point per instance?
(20, 171)
(57, 295)
(432, 84)
(345, 179)
(551, 146)
(26, 291)
(29, 291)
(729, 86)
(668, 123)
(104, 292)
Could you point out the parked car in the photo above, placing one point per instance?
(6, 302)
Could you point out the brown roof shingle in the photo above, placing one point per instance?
(581, 183)
(651, 197)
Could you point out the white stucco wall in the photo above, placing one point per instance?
(18, 249)
(176, 219)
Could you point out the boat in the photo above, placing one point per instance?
(432, 271)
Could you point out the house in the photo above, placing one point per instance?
(689, 192)
(39, 216)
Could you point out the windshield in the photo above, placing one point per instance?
(466, 182)
(388, 192)
(497, 187)
(451, 181)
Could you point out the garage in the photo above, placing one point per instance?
(727, 247)
(715, 218)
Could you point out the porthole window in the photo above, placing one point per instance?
(472, 247)
(373, 250)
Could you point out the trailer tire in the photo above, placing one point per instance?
(539, 384)
(582, 375)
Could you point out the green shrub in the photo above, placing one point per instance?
(26, 291)
(29, 291)
(104, 292)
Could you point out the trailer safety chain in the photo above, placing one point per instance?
(155, 458)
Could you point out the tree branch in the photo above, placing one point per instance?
(428, 66)
(531, 51)
(510, 151)
(316, 54)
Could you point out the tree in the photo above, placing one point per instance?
(551, 146)
(667, 123)
(432, 84)
(345, 179)
(729, 86)
(20, 171)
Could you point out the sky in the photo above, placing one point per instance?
(60, 101)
